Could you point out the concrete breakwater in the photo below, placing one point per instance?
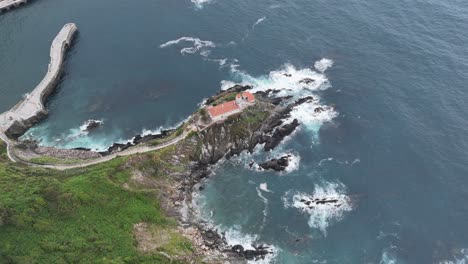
(6, 5)
(16, 121)
(31, 109)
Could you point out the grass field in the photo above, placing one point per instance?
(79, 216)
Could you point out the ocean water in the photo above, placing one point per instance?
(393, 150)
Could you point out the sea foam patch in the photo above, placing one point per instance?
(326, 205)
(460, 257)
(323, 64)
(198, 45)
(200, 3)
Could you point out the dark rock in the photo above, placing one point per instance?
(276, 164)
(307, 80)
(238, 249)
(83, 149)
(318, 110)
(287, 74)
(279, 134)
(91, 124)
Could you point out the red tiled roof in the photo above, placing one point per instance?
(249, 95)
(223, 108)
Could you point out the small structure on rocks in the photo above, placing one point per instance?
(224, 110)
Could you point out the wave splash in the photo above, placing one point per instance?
(291, 81)
(200, 3)
(321, 215)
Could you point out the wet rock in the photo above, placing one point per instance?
(276, 164)
(307, 81)
(238, 249)
(90, 125)
(319, 110)
(279, 134)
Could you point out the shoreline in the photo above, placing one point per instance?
(263, 123)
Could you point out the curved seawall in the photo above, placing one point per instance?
(6, 5)
(31, 109)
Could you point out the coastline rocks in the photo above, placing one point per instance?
(279, 134)
(138, 139)
(212, 239)
(259, 252)
(276, 164)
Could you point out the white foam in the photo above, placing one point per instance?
(460, 257)
(197, 45)
(294, 160)
(200, 3)
(388, 256)
(264, 187)
(324, 160)
(265, 209)
(321, 216)
(260, 20)
(312, 120)
(323, 64)
(287, 80)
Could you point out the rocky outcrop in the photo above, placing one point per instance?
(279, 164)
(259, 252)
(90, 125)
(235, 89)
(233, 136)
(138, 139)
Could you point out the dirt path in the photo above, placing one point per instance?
(127, 152)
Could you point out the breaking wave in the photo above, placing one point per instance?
(73, 138)
(321, 215)
(291, 81)
(198, 45)
(234, 236)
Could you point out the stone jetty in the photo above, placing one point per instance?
(6, 5)
(31, 109)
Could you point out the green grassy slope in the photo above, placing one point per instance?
(80, 216)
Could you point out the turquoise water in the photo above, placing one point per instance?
(393, 151)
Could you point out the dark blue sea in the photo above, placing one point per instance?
(393, 150)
